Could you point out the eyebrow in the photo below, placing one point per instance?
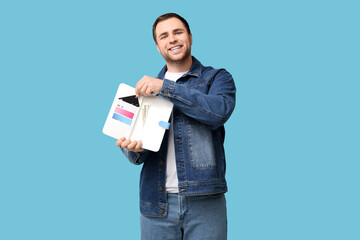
(174, 30)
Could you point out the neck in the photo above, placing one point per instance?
(182, 66)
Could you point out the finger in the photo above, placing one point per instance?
(150, 90)
(125, 143)
(143, 90)
(138, 146)
(138, 87)
(120, 141)
(137, 92)
(132, 145)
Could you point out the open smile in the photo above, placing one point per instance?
(177, 47)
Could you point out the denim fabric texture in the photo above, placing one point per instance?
(204, 99)
(189, 217)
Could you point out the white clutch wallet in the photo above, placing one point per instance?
(143, 118)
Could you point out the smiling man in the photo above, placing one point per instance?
(182, 185)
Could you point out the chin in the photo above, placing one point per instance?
(178, 59)
(175, 59)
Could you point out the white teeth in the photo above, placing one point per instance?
(175, 48)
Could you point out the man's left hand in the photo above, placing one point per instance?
(148, 86)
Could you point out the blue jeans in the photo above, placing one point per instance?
(188, 218)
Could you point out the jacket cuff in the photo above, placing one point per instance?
(134, 157)
(167, 89)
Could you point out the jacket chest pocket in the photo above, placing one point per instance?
(201, 146)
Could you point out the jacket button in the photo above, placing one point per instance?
(161, 188)
(166, 91)
(161, 162)
(161, 211)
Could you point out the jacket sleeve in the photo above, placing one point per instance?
(213, 108)
(136, 158)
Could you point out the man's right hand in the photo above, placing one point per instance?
(147, 86)
(134, 146)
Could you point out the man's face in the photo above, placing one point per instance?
(173, 40)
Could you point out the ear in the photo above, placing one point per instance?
(190, 39)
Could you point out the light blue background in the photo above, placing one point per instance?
(292, 143)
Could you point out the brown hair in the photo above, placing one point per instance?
(167, 16)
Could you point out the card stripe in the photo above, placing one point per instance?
(125, 113)
(122, 119)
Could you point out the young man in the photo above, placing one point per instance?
(182, 185)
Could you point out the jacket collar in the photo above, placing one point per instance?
(195, 69)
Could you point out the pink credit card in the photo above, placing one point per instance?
(124, 112)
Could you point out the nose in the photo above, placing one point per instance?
(172, 38)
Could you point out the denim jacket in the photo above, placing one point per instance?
(204, 99)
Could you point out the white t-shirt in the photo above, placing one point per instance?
(171, 173)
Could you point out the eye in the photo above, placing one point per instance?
(178, 33)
